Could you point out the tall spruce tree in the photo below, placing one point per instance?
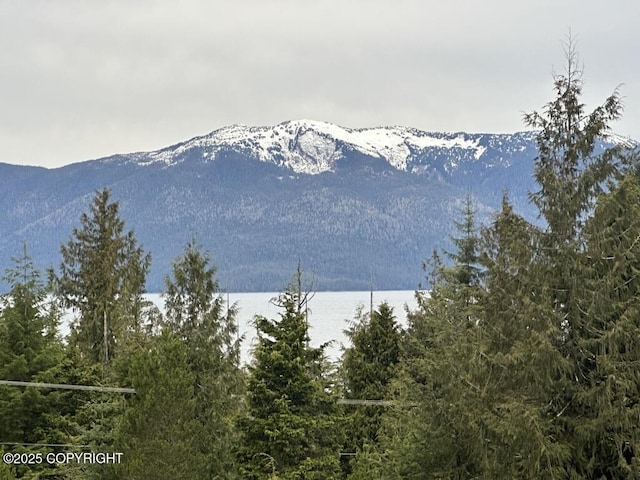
(102, 277)
(197, 314)
(535, 313)
(291, 430)
(571, 169)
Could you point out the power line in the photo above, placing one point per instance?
(382, 403)
(44, 444)
(66, 386)
(375, 403)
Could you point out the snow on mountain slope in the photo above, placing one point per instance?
(312, 147)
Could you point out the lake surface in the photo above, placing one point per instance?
(329, 314)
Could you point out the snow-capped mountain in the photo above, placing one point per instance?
(312, 147)
(348, 203)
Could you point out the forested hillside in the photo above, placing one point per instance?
(349, 203)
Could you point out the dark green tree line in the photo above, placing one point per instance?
(526, 369)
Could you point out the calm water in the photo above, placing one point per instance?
(329, 313)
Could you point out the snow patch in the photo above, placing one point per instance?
(312, 147)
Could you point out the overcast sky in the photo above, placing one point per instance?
(83, 80)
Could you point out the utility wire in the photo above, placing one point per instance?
(66, 386)
(44, 444)
(375, 403)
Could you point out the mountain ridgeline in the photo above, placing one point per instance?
(353, 205)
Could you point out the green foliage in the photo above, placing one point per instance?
(569, 169)
(199, 316)
(530, 370)
(102, 277)
(7, 472)
(480, 369)
(291, 430)
(369, 366)
(436, 430)
(369, 464)
(369, 363)
(523, 369)
(606, 402)
(29, 351)
(160, 431)
(465, 269)
(587, 257)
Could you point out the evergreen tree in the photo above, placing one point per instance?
(436, 431)
(523, 370)
(466, 266)
(369, 464)
(30, 349)
(535, 376)
(102, 277)
(480, 364)
(572, 170)
(86, 418)
(606, 404)
(160, 432)
(369, 366)
(291, 430)
(198, 315)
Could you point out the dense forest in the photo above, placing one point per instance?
(522, 359)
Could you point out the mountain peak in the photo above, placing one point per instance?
(311, 147)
